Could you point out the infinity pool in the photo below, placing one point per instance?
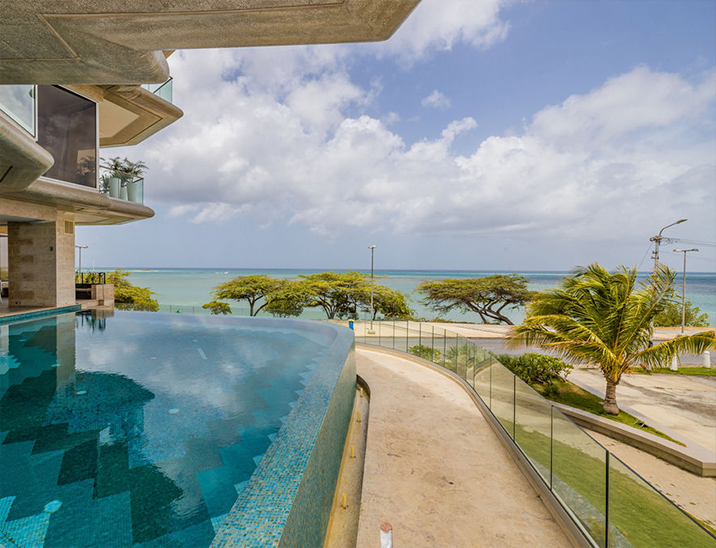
(141, 429)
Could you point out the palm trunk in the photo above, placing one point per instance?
(610, 401)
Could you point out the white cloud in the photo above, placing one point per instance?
(438, 25)
(436, 100)
(283, 148)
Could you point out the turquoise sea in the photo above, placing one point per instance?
(187, 289)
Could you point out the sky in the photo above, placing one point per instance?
(491, 135)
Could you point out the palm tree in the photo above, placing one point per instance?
(599, 317)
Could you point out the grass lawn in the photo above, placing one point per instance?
(701, 371)
(573, 395)
(639, 512)
(698, 371)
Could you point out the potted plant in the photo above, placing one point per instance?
(116, 167)
(134, 171)
(122, 181)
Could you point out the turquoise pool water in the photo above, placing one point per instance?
(141, 429)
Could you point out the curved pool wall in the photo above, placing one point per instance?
(288, 500)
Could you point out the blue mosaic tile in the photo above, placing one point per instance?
(104, 455)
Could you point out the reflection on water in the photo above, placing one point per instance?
(137, 429)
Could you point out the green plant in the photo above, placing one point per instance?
(536, 368)
(488, 296)
(671, 315)
(130, 297)
(600, 318)
(217, 308)
(425, 352)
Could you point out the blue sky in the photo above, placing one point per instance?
(484, 135)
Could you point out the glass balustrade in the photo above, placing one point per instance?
(121, 185)
(19, 103)
(164, 90)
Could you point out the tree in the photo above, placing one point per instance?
(251, 289)
(671, 316)
(338, 294)
(289, 299)
(488, 296)
(599, 317)
(217, 307)
(390, 303)
(130, 297)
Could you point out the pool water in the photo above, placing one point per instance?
(138, 429)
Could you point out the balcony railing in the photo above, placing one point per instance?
(121, 185)
(20, 104)
(164, 90)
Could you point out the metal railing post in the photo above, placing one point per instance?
(514, 405)
(606, 503)
(551, 445)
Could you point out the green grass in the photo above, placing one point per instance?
(640, 513)
(701, 371)
(698, 371)
(574, 396)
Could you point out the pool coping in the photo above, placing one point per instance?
(265, 507)
(35, 314)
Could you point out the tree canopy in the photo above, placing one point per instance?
(339, 294)
(671, 315)
(251, 289)
(489, 296)
(130, 297)
(601, 318)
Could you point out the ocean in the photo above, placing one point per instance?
(187, 289)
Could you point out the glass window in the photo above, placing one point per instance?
(67, 129)
(18, 102)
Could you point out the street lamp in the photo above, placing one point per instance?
(683, 288)
(657, 241)
(372, 309)
(81, 247)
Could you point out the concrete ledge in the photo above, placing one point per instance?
(692, 459)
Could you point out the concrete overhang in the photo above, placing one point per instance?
(130, 114)
(22, 160)
(90, 206)
(122, 41)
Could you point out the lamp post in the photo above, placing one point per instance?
(81, 247)
(372, 309)
(657, 241)
(683, 288)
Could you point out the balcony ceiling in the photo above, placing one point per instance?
(122, 41)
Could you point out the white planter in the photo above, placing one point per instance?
(114, 186)
(133, 191)
(123, 193)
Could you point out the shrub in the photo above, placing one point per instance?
(671, 316)
(536, 368)
(425, 352)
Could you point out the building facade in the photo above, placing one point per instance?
(76, 78)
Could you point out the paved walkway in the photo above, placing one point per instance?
(436, 471)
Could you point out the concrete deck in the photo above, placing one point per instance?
(436, 471)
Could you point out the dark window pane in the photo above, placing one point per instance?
(67, 129)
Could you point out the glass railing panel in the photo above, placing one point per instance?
(481, 380)
(164, 90)
(641, 517)
(533, 427)
(471, 361)
(503, 396)
(579, 475)
(121, 186)
(18, 102)
(461, 361)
